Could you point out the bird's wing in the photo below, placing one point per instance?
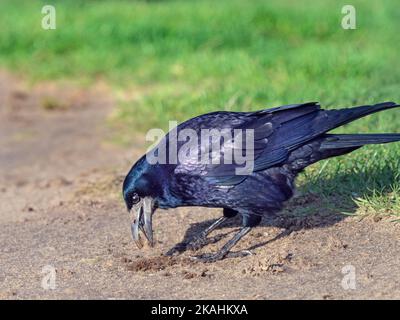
(276, 131)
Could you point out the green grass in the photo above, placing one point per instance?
(177, 59)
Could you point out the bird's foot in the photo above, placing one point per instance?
(213, 257)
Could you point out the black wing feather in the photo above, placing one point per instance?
(277, 132)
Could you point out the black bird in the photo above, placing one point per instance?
(286, 140)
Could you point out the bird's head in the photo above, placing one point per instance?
(139, 191)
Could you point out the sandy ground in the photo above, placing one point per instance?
(60, 208)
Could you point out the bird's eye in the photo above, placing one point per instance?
(135, 198)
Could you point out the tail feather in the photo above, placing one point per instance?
(339, 141)
(339, 117)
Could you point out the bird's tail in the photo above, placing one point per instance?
(339, 117)
(341, 141)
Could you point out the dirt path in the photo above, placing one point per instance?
(60, 207)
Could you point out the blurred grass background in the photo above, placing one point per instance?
(177, 59)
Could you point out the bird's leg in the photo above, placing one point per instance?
(199, 241)
(226, 248)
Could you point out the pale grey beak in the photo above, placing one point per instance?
(142, 221)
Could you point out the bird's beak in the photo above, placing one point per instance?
(142, 221)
